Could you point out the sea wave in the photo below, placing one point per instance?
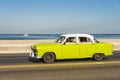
(50, 36)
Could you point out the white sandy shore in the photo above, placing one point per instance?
(23, 46)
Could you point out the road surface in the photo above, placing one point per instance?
(17, 67)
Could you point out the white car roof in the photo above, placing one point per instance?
(78, 35)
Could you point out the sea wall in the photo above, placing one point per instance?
(23, 46)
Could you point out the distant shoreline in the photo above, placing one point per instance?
(50, 36)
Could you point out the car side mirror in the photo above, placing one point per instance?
(64, 43)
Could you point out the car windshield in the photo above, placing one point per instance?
(60, 39)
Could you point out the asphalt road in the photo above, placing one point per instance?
(17, 67)
(11, 59)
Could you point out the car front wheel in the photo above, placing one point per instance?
(48, 58)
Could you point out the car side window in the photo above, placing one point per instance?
(84, 39)
(71, 40)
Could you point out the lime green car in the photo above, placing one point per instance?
(71, 46)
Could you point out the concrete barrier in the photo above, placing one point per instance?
(23, 46)
(18, 46)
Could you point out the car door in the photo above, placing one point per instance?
(70, 49)
(86, 47)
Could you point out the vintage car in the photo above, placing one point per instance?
(71, 46)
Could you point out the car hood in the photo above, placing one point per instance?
(44, 45)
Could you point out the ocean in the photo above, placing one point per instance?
(50, 36)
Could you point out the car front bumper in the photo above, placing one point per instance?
(33, 57)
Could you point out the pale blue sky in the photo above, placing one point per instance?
(60, 16)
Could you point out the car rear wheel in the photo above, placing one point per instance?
(48, 58)
(98, 57)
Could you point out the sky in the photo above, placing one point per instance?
(59, 16)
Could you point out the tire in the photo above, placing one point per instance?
(48, 58)
(98, 57)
